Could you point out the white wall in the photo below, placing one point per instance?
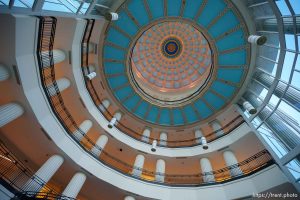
(34, 93)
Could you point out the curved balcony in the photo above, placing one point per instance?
(210, 137)
(17, 178)
(47, 31)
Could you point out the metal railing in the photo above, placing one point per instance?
(15, 176)
(85, 45)
(46, 36)
(230, 126)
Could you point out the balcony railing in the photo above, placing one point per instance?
(46, 38)
(14, 175)
(229, 127)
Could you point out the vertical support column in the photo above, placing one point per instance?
(232, 162)
(100, 143)
(198, 135)
(10, 112)
(62, 84)
(217, 128)
(160, 170)
(75, 185)
(163, 139)
(117, 117)
(104, 105)
(44, 174)
(4, 74)
(138, 165)
(146, 135)
(207, 170)
(84, 127)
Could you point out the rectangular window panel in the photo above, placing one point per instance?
(296, 80)
(24, 3)
(277, 146)
(294, 168)
(295, 5)
(290, 41)
(283, 7)
(287, 66)
(4, 2)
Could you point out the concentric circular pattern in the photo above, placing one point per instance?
(171, 60)
(171, 64)
(171, 47)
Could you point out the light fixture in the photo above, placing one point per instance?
(154, 144)
(204, 143)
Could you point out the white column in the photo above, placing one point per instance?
(100, 143)
(163, 139)
(160, 170)
(62, 84)
(129, 198)
(58, 56)
(198, 135)
(249, 107)
(207, 170)
(256, 39)
(146, 135)
(217, 127)
(4, 74)
(138, 165)
(117, 117)
(10, 112)
(75, 185)
(85, 126)
(44, 174)
(104, 105)
(231, 160)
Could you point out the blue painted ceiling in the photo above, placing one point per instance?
(219, 19)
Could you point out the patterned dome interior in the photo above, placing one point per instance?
(175, 65)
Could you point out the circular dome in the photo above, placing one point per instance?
(177, 66)
(170, 61)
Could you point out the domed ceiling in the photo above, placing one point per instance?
(175, 62)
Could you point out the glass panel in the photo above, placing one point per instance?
(61, 5)
(295, 5)
(283, 7)
(292, 114)
(290, 41)
(294, 168)
(256, 122)
(4, 2)
(24, 3)
(297, 67)
(277, 146)
(296, 80)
